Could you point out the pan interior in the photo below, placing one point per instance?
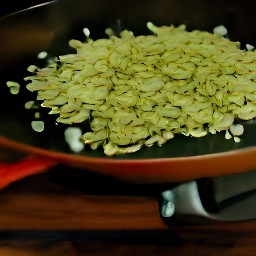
(58, 25)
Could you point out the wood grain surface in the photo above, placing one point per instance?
(70, 212)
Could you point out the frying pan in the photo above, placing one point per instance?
(49, 26)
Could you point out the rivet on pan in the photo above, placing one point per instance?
(168, 206)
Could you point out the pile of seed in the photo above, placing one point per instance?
(141, 90)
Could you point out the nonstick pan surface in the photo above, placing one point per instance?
(49, 27)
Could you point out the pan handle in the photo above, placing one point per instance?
(31, 165)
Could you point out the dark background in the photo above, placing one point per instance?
(10, 6)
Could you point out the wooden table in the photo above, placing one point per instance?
(72, 212)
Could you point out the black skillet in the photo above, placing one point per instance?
(49, 27)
